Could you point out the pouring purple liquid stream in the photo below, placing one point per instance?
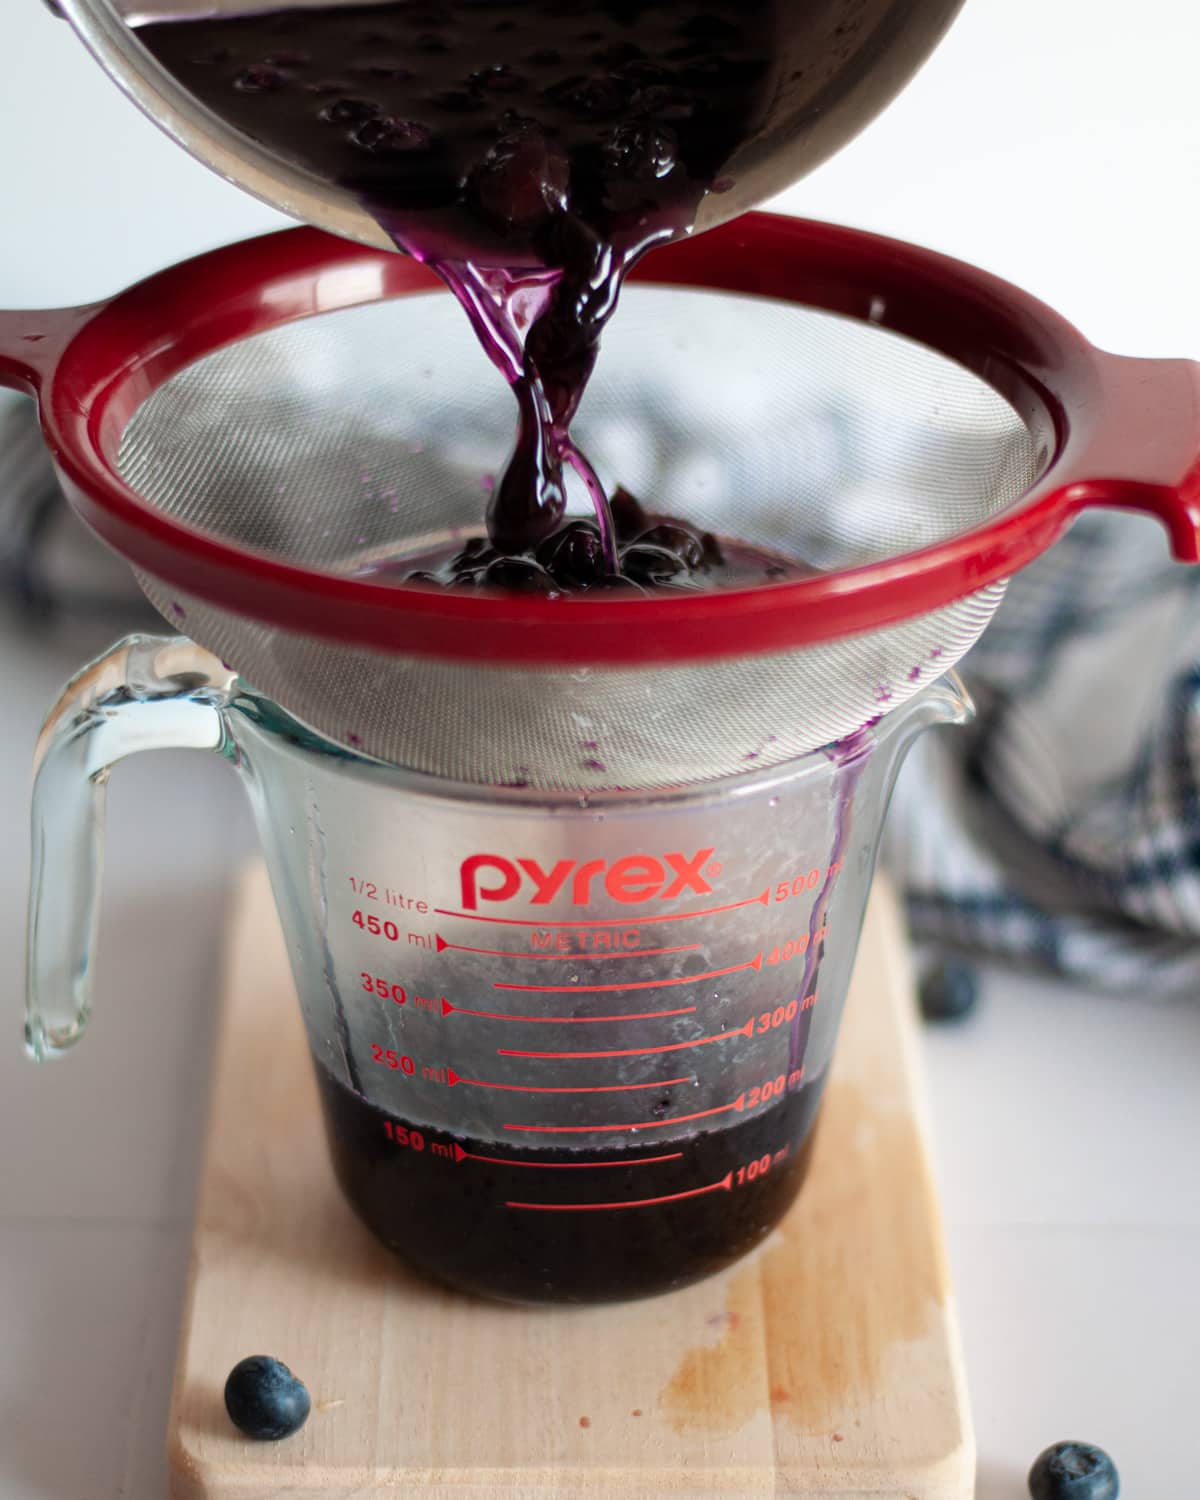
(529, 153)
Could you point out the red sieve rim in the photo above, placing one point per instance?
(1109, 431)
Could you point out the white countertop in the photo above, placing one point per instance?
(1059, 149)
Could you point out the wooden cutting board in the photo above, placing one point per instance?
(827, 1363)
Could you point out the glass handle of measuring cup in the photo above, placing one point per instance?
(146, 693)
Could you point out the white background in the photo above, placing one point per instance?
(1056, 142)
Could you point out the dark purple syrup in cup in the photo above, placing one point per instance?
(531, 1225)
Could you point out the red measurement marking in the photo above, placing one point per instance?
(725, 1185)
(559, 1166)
(561, 958)
(449, 1008)
(722, 1109)
(721, 1036)
(453, 1078)
(640, 984)
(622, 921)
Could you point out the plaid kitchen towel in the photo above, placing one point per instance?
(1063, 826)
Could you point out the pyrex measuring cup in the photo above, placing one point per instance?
(258, 429)
(568, 1047)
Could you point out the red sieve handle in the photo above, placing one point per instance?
(31, 343)
(1135, 445)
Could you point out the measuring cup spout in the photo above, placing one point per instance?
(945, 701)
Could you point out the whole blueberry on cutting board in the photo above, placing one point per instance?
(949, 992)
(1074, 1471)
(264, 1399)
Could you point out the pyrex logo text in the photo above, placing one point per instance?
(634, 878)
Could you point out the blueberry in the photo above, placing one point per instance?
(949, 991)
(520, 575)
(391, 136)
(679, 540)
(662, 101)
(628, 516)
(574, 555)
(713, 556)
(1074, 1471)
(474, 551)
(264, 1399)
(642, 152)
(261, 78)
(348, 111)
(646, 564)
(597, 97)
(521, 181)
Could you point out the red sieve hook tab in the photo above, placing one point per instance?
(31, 344)
(1138, 446)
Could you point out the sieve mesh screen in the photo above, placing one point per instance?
(351, 438)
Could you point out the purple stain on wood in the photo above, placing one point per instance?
(178, 610)
(592, 764)
(590, 744)
(725, 1320)
(354, 739)
(750, 755)
(487, 483)
(914, 674)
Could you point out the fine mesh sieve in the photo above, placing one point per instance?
(357, 437)
(261, 429)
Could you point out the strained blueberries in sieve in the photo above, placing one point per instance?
(655, 553)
